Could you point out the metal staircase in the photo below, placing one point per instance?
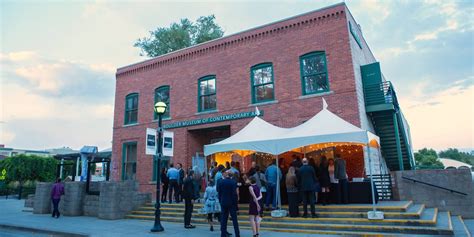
(387, 118)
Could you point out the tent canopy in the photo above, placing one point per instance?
(261, 136)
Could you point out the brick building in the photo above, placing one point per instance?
(284, 68)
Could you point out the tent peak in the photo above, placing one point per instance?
(257, 112)
(325, 105)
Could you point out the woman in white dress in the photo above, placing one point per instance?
(211, 204)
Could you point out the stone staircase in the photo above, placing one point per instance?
(401, 218)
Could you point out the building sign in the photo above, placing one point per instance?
(168, 138)
(215, 119)
(355, 34)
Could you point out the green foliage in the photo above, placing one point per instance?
(427, 159)
(453, 153)
(24, 168)
(180, 35)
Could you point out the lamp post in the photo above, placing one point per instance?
(160, 109)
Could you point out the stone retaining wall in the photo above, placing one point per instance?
(459, 180)
(116, 199)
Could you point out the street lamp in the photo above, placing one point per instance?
(160, 109)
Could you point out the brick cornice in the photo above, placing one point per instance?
(316, 17)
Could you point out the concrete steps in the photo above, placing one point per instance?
(401, 218)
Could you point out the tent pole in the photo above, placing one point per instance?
(371, 181)
(278, 184)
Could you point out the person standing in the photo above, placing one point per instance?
(254, 206)
(188, 196)
(165, 181)
(227, 190)
(252, 169)
(308, 185)
(211, 204)
(292, 191)
(334, 189)
(180, 182)
(56, 191)
(273, 176)
(261, 182)
(173, 176)
(340, 174)
(324, 180)
(197, 183)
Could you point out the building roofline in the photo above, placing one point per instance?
(125, 68)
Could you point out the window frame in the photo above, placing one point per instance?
(302, 77)
(206, 78)
(252, 86)
(126, 111)
(124, 156)
(155, 115)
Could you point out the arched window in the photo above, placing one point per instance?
(162, 94)
(314, 76)
(207, 94)
(131, 109)
(263, 88)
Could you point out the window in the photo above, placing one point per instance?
(131, 109)
(207, 98)
(355, 34)
(262, 83)
(129, 161)
(314, 77)
(162, 94)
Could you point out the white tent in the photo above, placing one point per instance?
(261, 136)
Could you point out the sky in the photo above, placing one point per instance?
(58, 61)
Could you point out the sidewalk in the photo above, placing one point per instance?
(12, 215)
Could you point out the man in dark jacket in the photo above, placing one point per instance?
(180, 182)
(188, 196)
(227, 190)
(307, 182)
(340, 174)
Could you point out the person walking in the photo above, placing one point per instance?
(56, 191)
(165, 182)
(273, 176)
(173, 176)
(211, 204)
(188, 196)
(254, 206)
(292, 191)
(227, 190)
(324, 180)
(308, 185)
(340, 174)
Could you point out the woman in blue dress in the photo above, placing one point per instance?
(211, 204)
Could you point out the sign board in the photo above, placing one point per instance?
(215, 119)
(168, 142)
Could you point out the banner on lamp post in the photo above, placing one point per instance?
(151, 146)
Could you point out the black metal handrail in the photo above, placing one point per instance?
(434, 185)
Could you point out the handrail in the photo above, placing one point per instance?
(433, 185)
(380, 93)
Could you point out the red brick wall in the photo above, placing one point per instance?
(230, 60)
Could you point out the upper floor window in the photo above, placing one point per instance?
(131, 109)
(314, 77)
(207, 98)
(162, 94)
(262, 83)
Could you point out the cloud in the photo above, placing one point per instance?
(46, 102)
(443, 119)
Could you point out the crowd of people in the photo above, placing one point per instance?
(302, 182)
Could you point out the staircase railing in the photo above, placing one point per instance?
(434, 185)
(382, 93)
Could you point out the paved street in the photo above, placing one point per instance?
(13, 215)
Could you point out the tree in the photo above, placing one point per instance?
(23, 168)
(455, 154)
(427, 159)
(180, 35)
